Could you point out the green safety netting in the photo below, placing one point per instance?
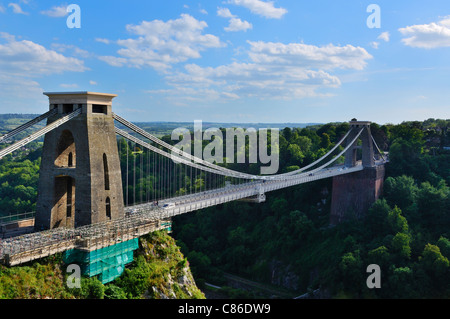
(108, 262)
(167, 225)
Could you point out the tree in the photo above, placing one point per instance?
(189, 232)
(287, 133)
(444, 246)
(404, 156)
(280, 206)
(376, 219)
(303, 141)
(292, 168)
(379, 256)
(329, 129)
(300, 225)
(237, 236)
(351, 270)
(200, 263)
(401, 282)
(325, 141)
(401, 245)
(397, 222)
(433, 205)
(295, 154)
(433, 261)
(400, 191)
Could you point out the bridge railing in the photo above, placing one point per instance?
(16, 217)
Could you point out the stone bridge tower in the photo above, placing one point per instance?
(354, 193)
(80, 179)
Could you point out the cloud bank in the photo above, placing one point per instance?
(428, 36)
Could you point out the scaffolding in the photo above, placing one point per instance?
(108, 262)
(28, 247)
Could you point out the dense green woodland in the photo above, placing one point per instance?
(287, 241)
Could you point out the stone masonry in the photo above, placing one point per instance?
(354, 193)
(80, 179)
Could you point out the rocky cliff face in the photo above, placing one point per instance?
(283, 275)
(171, 276)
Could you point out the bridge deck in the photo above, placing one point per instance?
(189, 203)
(142, 219)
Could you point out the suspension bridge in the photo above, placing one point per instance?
(89, 201)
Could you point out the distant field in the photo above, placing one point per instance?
(9, 122)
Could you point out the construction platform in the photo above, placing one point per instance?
(85, 239)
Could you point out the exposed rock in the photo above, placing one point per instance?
(283, 275)
(172, 278)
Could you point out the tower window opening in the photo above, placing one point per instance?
(98, 108)
(70, 160)
(67, 108)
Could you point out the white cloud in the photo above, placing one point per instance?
(184, 96)
(203, 11)
(56, 11)
(7, 36)
(113, 61)
(16, 8)
(374, 44)
(428, 36)
(160, 44)
(92, 82)
(310, 56)
(385, 36)
(235, 24)
(69, 86)
(18, 87)
(28, 58)
(22, 62)
(102, 40)
(72, 49)
(2, 9)
(21, 95)
(276, 71)
(224, 13)
(262, 8)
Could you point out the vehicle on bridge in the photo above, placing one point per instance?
(168, 205)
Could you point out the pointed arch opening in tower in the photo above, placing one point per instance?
(65, 150)
(63, 211)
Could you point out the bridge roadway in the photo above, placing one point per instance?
(144, 218)
(188, 203)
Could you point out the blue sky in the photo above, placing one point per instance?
(232, 60)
